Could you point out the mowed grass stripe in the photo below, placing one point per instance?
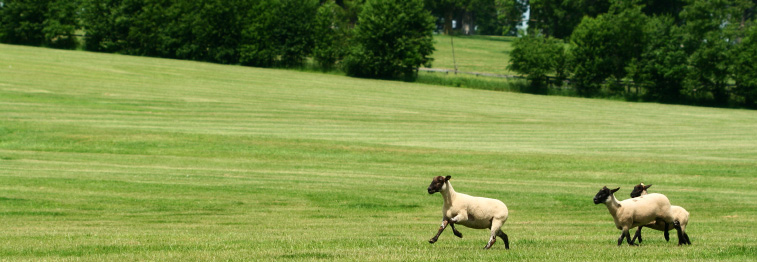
(109, 157)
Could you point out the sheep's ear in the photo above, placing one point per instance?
(614, 190)
(447, 178)
(647, 187)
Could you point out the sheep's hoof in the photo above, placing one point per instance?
(431, 241)
(458, 234)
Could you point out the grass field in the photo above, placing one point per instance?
(115, 158)
(479, 54)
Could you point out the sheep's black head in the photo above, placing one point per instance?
(638, 189)
(437, 184)
(603, 194)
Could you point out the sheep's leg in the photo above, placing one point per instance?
(460, 217)
(686, 237)
(492, 239)
(503, 236)
(637, 235)
(677, 226)
(627, 235)
(441, 229)
(628, 238)
(454, 230)
(622, 235)
(667, 236)
(495, 230)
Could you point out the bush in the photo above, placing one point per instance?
(331, 32)
(391, 40)
(744, 69)
(39, 23)
(537, 56)
(662, 67)
(280, 33)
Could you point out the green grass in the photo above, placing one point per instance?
(480, 54)
(107, 157)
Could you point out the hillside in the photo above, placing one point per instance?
(476, 54)
(111, 157)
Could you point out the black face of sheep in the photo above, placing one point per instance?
(437, 184)
(603, 194)
(638, 189)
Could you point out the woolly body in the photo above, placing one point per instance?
(680, 215)
(639, 211)
(469, 211)
(636, 212)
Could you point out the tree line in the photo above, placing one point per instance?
(369, 38)
(689, 51)
(677, 51)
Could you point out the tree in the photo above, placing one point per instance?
(558, 18)
(446, 9)
(510, 13)
(711, 32)
(662, 67)
(391, 40)
(21, 22)
(38, 23)
(331, 31)
(108, 22)
(208, 30)
(536, 56)
(279, 33)
(744, 69)
(603, 46)
(60, 24)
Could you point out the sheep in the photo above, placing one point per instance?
(636, 212)
(679, 213)
(469, 211)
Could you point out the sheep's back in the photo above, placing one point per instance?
(481, 208)
(680, 214)
(646, 208)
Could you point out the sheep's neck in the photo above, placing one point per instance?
(448, 193)
(612, 205)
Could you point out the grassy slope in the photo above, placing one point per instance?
(480, 54)
(108, 157)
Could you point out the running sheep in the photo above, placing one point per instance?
(469, 211)
(679, 213)
(631, 213)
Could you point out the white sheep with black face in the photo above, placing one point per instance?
(635, 212)
(469, 211)
(679, 213)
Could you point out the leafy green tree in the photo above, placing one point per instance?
(38, 22)
(558, 18)
(711, 32)
(391, 40)
(537, 56)
(149, 33)
(744, 69)
(280, 33)
(108, 23)
(510, 12)
(662, 67)
(446, 9)
(331, 32)
(604, 46)
(208, 30)
(21, 22)
(61, 22)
